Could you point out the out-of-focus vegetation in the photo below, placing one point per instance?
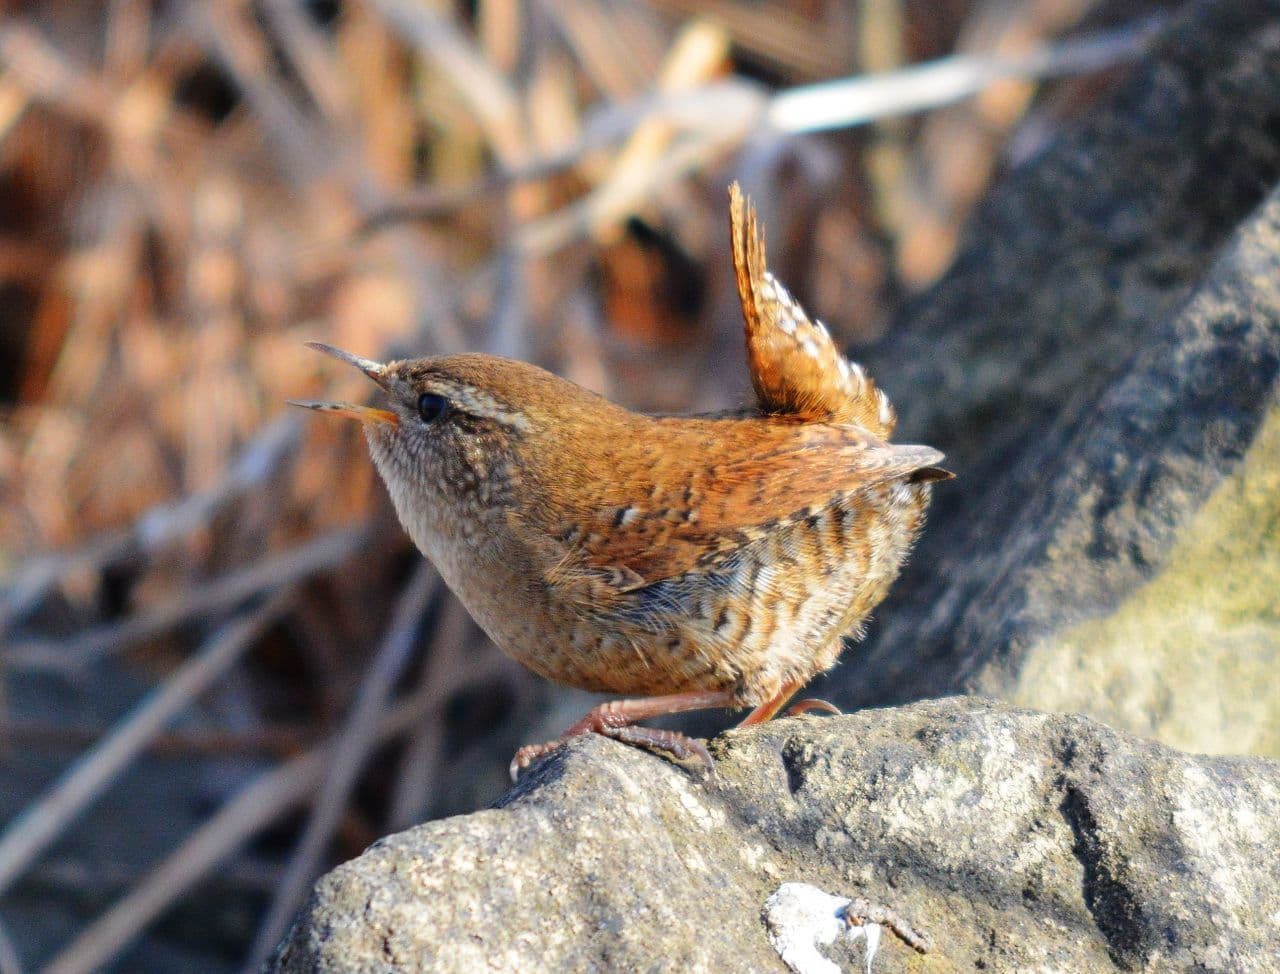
(197, 578)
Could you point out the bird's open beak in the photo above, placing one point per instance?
(365, 414)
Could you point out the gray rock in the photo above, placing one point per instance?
(1102, 367)
(1018, 840)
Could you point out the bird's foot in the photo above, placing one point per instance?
(616, 719)
(677, 745)
(810, 704)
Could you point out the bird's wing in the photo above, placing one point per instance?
(795, 366)
(697, 511)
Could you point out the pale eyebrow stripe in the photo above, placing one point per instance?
(477, 402)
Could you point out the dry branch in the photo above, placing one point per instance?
(46, 819)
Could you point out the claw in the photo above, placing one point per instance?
(811, 703)
(680, 747)
(677, 745)
(617, 718)
(527, 755)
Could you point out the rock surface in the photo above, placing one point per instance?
(1101, 367)
(1018, 841)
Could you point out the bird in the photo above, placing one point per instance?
(676, 562)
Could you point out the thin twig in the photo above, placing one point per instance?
(722, 104)
(267, 575)
(98, 879)
(253, 808)
(308, 51)
(154, 529)
(607, 53)
(279, 741)
(313, 147)
(243, 53)
(415, 775)
(48, 75)
(780, 32)
(491, 98)
(14, 101)
(51, 77)
(443, 671)
(857, 101)
(45, 820)
(10, 962)
(735, 107)
(258, 804)
(613, 203)
(355, 742)
(510, 306)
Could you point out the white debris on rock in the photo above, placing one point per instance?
(801, 917)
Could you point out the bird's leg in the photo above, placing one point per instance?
(616, 717)
(769, 708)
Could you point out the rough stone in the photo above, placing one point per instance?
(1019, 841)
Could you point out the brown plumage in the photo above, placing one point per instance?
(691, 562)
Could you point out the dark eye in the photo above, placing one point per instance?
(432, 407)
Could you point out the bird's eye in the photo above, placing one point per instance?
(432, 407)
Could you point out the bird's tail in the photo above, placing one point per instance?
(795, 366)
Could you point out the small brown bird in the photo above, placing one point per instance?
(685, 562)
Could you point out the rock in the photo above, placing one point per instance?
(1101, 367)
(1017, 840)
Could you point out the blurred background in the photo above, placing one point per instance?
(224, 667)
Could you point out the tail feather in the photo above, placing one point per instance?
(795, 366)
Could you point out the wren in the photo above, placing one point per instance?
(682, 562)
